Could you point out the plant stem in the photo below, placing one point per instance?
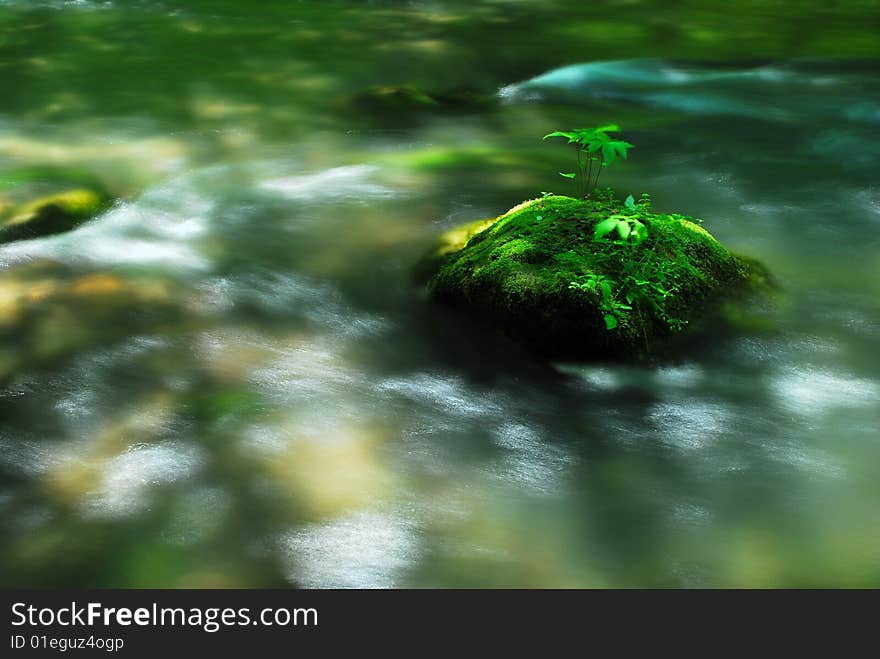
(587, 189)
(579, 177)
(598, 172)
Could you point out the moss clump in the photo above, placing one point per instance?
(448, 243)
(55, 213)
(537, 273)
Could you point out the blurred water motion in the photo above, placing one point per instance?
(231, 378)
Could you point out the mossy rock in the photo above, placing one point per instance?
(538, 274)
(448, 243)
(51, 214)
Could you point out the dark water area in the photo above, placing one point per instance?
(232, 378)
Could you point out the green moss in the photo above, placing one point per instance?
(51, 214)
(448, 243)
(79, 203)
(519, 270)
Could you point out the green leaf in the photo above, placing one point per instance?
(605, 287)
(571, 137)
(630, 203)
(604, 228)
(614, 149)
(609, 153)
(610, 321)
(567, 174)
(623, 230)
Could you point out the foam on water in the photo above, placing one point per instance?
(25, 455)
(365, 549)
(176, 224)
(815, 392)
(692, 424)
(443, 393)
(529, 463)
(128, 478)
(141, 232)
(777, 92)
(352, 181)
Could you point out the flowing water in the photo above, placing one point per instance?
(232, 377)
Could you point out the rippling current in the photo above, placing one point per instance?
(232, 377)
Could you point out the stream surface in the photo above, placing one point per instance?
(232, 378)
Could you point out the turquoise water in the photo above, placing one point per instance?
(231, 377)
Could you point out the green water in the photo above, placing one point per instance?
(231, 378)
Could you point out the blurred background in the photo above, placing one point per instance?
(230, 377)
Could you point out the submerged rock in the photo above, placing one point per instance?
(48, 313)
(397, 100)
(54, 213)
(539, 273)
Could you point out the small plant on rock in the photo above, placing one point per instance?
(603, 287)
(629, 228)
(595, 150)
(644, 283)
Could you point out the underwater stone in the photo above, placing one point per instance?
(407, 99)
(49, 313)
